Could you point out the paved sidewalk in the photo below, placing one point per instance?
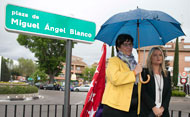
(180, 103)
(18, 97)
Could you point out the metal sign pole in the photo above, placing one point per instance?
(67, 79)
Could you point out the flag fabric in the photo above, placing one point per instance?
(95, 93)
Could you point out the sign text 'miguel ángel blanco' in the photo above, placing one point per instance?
(25, 20)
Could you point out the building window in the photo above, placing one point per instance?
(170, 68)
(168, 46)
(186, 46)
(78, 68)
(187, 58)
(187, 69)
(169, 58)
(62, 75)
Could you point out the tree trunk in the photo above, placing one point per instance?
(51, 78)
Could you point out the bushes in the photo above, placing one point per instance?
(12, 83)
(178, 93)
(18, 89)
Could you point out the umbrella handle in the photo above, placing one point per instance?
(148, 76)
(144, 82)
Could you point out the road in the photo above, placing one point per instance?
(52, 97)
(48, 98)
(57, 97)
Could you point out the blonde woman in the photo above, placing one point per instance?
(156, 94)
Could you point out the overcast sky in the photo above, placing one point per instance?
(97, 11)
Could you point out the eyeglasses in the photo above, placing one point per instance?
(127, 45)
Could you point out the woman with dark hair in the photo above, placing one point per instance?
(156, 94)
(121, 97)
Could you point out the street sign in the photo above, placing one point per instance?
(30, 78)
(183, 80)
(184, 74)
(39, 23)
(38, 77)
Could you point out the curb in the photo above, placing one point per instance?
(20, 97)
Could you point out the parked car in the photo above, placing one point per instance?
(49, 87)
(85, 87)
(63, 88)
(39, 85)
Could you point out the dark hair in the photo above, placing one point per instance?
(121, 39)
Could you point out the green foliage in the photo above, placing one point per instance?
(176, 64)
(38, 73)
(88, 73)
(5, 90)
(15, 71)
(49, 52)
(9, 63)
(18, 89)
(18, 83)
(26, 67)
(178, 93)
(5, 73)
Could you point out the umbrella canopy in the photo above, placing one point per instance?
(155, 28)
(146, 27)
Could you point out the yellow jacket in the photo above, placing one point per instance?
(119, 85)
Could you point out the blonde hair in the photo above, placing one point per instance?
(149, 62)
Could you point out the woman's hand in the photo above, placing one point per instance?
(162, 109)
(138, 68)
(157, 111)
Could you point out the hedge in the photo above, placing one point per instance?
(178, 93)
(18, 89)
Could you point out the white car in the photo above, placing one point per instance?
(85, 87)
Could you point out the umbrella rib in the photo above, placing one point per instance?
(154, 27)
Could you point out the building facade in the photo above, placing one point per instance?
(169, 48)
(77, 68)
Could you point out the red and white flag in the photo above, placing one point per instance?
(94, 95)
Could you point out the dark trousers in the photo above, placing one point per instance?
(111, 112)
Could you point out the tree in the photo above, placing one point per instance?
(9, 63)
(15, 72)
(26, 67)
(39, 74)
(49, 52)
(176, 64)
(13, 69)
(5, 73)
(88, 73)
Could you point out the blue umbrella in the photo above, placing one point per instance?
(146, 27)
(153, 28)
